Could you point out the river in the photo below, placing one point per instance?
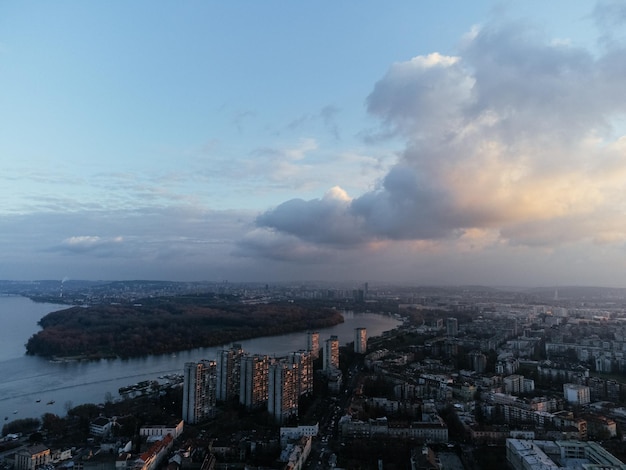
(31, 386)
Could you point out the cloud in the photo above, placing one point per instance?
(324, 221)
(610, 17)
(276, 246)
(283, 166)
(516, 136)
(146, 242)
(85, 243)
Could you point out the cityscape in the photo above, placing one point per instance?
(313, 235)
(471, 377)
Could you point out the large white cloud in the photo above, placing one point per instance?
(515, 135)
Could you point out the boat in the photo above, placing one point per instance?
(51, 402)
(15, 412)
(38, 400)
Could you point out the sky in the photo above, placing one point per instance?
(435, 143)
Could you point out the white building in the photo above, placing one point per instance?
(162, 430)
(32, 457)
(100, 426)
(554, 455)
(576, 394)
(290, 433)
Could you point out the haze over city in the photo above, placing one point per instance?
(432, 142)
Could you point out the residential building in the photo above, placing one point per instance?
(524, 454)
(100, 426)
(283, 391)
(32, 457)
(335, 380)
(576, 394)
(313, 343)
(478, 361)
(253, 390)
(175, 430)
(431, 429)
(199, 391)
(304, 360)
(153, 457)
(289, 433)
(294, 455)
(452, 326)
(229, 372)
(360, 340)
(513, 384)
(331, 353)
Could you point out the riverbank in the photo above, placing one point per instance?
(27, 379)
(167, 327)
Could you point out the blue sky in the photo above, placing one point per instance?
(431, 142)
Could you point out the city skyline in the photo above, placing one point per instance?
(437, 144)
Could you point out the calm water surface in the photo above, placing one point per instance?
(26, 379)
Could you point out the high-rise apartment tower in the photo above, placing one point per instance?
(283, 391)
(360, 340)
(331, 353)
(199, 391)
(313, 343)
(228, 372)
(304, 360)
(253, 382)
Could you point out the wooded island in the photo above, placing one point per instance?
(167, 326)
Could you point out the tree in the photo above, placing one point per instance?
(35, 438)
(25, 425)
(53, 424)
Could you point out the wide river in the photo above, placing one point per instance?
(31, 386)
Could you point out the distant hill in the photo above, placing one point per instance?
(579, 293)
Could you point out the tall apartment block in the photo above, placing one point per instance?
(452, 326)
(199, 391)
(331, 353)
(283, 391)
(228, 372)
(304, 360)
(360, 340)
(313, 343)
(253, 383)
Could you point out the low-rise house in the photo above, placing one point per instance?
(32, 457)
(58, 455)
(174, 429)
(431, 428)
(100, 427)
(152, 458)
(288, 433)
(294, 455)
